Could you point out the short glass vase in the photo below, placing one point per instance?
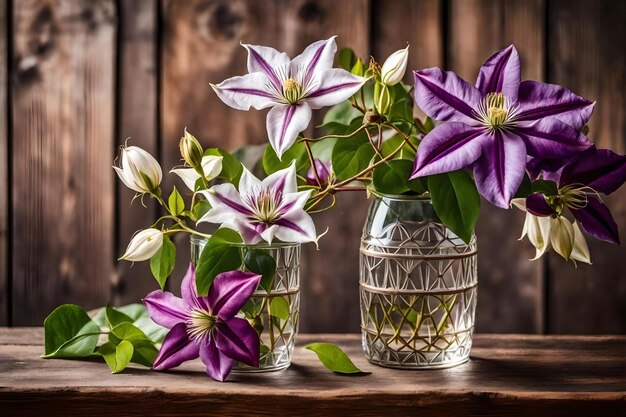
(274, 314)
(418, 287)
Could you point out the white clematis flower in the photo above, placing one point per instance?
(290, 87)
(394, 67)
(211, 166)
(262, 210)
(139, 171)
(143, 245)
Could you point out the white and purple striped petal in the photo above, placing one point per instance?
(296, 226)
(317, 57)
(226, 204)
(282, 181)
(333, 86)
(501, 73)
(246, 91)
(284, 123)
(266, 59)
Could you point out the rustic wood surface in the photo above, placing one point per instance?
(85, 75)
(509, 375)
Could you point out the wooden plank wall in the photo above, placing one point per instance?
(79, 77)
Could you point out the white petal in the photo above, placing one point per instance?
(226, 204)
(297, 226)
(580, 252)
(145, 163)
(129, 183)
(294, 201)
(332, 87)
(562, 236)
(248, 182)
(284, 123)
(317, 57)
(283, 181)
(143, 245)
(188, 175)
(211, 166)
(520, 203)
(265, 59)
(269, 233)
(243, 92)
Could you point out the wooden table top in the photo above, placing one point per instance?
(507, 375)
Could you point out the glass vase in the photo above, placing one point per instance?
(418, 287)
(274, 314)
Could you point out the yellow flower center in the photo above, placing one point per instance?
(292, 90)
(497, 109)
(199, 324)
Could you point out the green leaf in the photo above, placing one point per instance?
(456, 202)
(351, 156)
(117, 357)
(342, 113)
(334, 359)
(297, 153)
(525, 188)
(200, 209)
(280, 308)
(162, 263)
(231, 167)
(128, 331)
(69, 333)
(115, 317)
(393, 178)
(144, 353)
(346, 58)
(176, 202)
(545, 187)
(219, 255)
(262, 263)
(139, 318)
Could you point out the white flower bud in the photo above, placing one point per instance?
(143, 245)
(395, 66)
(139, 171)
(190, 149)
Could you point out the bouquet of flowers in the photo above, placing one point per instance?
(515, 143)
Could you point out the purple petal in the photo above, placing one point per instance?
(323, 171)
(537, 100)
(552, 138)
(334, 86)
(296, 226)
(230, 291)
(238, 340)
(318, 56)
(176, 349)
(165, 309)
(446, 97)
(501, 74)
(595, 219)
(601, 169)
(249, 232)
(225, 203)
(265, 59)
(448, 147)
(189, 291)
(218, 365)
(537, 205)
(500, 169)
(246, 91)
(284, 123)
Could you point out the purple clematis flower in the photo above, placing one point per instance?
(262, 210)
(206, 326)
(494, 126)
(323, 169)
(290, 87)
(580, 181)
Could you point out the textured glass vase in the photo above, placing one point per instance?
(274, 314)
(418, 287)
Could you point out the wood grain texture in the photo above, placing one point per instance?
(62, 110)
(510, 287)
(137, 113)
(507, 375)
(582, 42)
(4, 168)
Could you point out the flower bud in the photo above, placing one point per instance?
(139, 171)
(383, 98)
(191, 150)
(538, 231)
(323, 172)
(394, 67)
(211, 167)
(144, 245)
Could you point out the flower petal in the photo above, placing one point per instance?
(294, 201)
(230, 291)
(265, 59)
(284, 123)
(537, 205)
(238, 340)
(296, 226)
(448, 147)
(246, 91)
(248, 182)
(317, 57)
(601, 169)
(595, 219)
(580, 251)
(501, 74)
(562, 236)
(188, 175)
(268, 233)
(225, 204)
(500, 169)
(211, 166)
(176, 349)
(189, 291)
(250, 234)
(165, 309)
(538, 233)
(218, 365)
(445, 97)
(332, 87)
(552, 138)
(537, 100)
(283, 181)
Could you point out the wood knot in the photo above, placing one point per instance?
(311, 11)
(226, 20)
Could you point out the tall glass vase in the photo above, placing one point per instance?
(274, 314)
(418, 287)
